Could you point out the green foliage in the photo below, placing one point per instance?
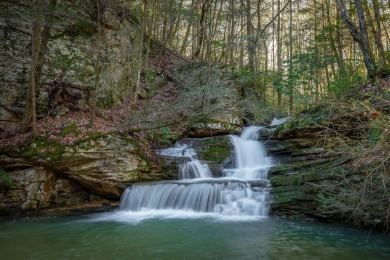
(206, 92)
(163, 136)
(343, 84)
(387, 56)
(360, 198)
(165, 130)
(94, 135)
(263, 113)
(374, 135)
(302, 73)
(243, 76)
(323, 38)
(5, 179)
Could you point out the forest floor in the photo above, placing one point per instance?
(78, 123)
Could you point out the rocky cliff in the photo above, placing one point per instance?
(46, 174)
(83, 151)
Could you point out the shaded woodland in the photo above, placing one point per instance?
(156, 71)
(286, 55)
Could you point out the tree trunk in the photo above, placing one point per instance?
(360, 35)
(39, 40)
(202, 25)
(185, 41)
(291, 98)
(231, 33)
(336, 53)
(251, 46)
(279, 54)
(378, 37)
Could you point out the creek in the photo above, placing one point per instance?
(241, 192)
(188, 237)
(198, 216)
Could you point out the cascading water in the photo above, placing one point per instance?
(242, 192)
(251, 161)
(194, 170)
(226, 198)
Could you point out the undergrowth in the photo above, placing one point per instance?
(359, 127)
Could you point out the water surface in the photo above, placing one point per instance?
(113, 236)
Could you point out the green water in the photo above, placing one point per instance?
(193, 238)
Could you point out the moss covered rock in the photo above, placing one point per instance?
(47, 174)
(296, 187)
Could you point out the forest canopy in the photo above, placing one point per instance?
(289, 50)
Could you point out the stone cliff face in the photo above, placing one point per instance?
(94, 54)
(53, 176)
(89, 49)
(93, 51)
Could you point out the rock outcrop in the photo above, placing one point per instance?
(46, 174)
(301, 169)
(314, 181)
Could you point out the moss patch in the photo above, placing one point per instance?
(42, 147)
(216, 150)
(72, 128)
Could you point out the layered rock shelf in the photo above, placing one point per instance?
(49, 175)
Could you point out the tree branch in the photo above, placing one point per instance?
(262, 31)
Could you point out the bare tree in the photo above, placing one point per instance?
(39, 39)
(360, 35)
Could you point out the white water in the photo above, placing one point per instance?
(194, 170)
(276, 121)
(179, 150)
(230, 198)
(251, 161)
(197, 193)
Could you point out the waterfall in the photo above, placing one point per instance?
(243, 191)
(229, 198)
(179, 150)
(194, 170)
(251, 161)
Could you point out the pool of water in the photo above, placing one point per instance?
(121, 236)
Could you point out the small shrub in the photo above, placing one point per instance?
(5, 179)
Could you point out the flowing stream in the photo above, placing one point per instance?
(242, 193)
(196, 217)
